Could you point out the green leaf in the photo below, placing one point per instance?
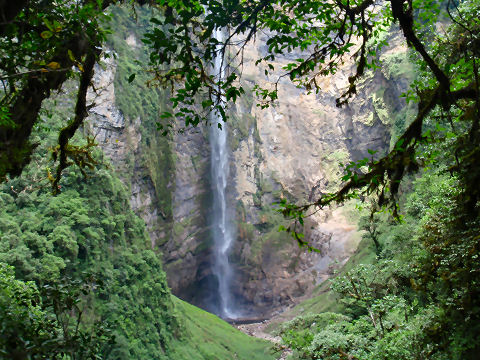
(166, 115)
(48, 25)
(46, 34)
(131, 78)
(207, 103)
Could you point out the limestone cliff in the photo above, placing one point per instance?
(167, 175)
(290, 150)
(294, 150)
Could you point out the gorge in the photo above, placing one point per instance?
(154, 220)
(268, 162)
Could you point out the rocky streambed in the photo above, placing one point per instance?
(258, 330)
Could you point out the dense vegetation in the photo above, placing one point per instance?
(82, 281)
(87, 230)
(137, 100)
(78, 277)
(419, 298)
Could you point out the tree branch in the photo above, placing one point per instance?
(8, 12)
(405, 18)
(80, 114)
(15, 148)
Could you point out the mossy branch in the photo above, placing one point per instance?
(81, 112)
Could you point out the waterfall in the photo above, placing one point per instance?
(222, 231)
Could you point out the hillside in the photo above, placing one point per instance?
(307, 169)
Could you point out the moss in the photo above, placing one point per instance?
(257, 199)
(178, 229)
(397, 65)
(368, 118)
(270, 240)
(196, 161)
(264, 184)
(339, 156)
(247, 230)
(136, 100)
(332, 165)
(241, 123)
(381, 108)
(258, 140)
(204, 245)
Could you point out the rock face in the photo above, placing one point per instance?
(291, 150)
(177, 227)
(120, 139)
(188, 254)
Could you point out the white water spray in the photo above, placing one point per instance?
(223, 234)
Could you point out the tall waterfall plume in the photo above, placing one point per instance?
(222, 230)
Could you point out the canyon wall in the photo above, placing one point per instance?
(291, 150)
(294, 150)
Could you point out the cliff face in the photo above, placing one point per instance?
(188, 252)
(293, 150)
(290, 150)
(121, 139)
(167, 176)
(179, 228)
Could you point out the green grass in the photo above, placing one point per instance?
(323, 299)
(207, 337)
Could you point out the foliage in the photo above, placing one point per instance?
(41, 47)
(138, 101)
(185, 44)
(419, 299)
(88, 226)
(422, 292)
(36, 327)
(21, 317)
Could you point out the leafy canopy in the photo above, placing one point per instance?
(327, 34)
(42, 45)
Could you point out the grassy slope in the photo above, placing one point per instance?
(210, 338)
(323, 299)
